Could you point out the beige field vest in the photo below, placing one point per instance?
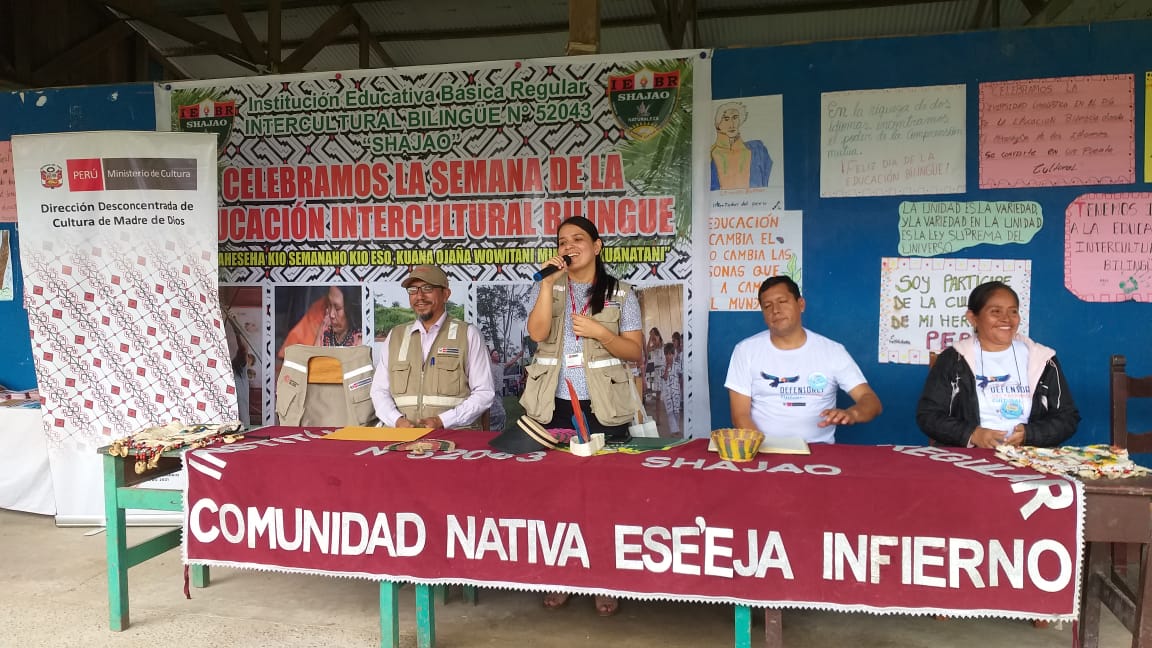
(348, 402)
(608, 377)
(424, 387)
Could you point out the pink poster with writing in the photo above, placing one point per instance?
(1108, 247)
(1058, 132)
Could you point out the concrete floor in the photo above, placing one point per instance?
(53, 594)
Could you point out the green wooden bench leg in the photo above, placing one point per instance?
(743, 618)
(425, 616)
(467, 592)
(200, 575)
(389, 615)
(115, 545)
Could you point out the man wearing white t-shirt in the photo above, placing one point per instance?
(783, 381)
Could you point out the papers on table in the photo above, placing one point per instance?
(389, 435)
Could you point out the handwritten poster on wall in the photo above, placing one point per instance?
(1058, 132)
(1108, 247)
(747, 154)
(1147, 127)
(892, 142)
(931, 228)
(923, 301)
(7, 185)
(745, 247)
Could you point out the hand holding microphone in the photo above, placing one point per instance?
(550, 269)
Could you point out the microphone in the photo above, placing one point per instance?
(550, 270)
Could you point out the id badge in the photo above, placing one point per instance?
(573, 360)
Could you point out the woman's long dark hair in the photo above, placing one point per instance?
(604, 284)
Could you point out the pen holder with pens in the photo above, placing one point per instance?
(595, 444)
(580, 447)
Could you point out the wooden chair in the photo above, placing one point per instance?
(1123, 388)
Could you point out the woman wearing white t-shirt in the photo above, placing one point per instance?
(998, 387)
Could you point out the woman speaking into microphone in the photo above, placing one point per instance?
(587, 326)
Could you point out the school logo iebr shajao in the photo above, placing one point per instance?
(643, 101)
(209, 116)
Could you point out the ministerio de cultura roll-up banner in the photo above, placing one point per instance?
(118, 245)
(350, 178)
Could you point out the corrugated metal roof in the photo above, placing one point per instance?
(432, 32)
(833, 25)
(460, 51)
(406, 16)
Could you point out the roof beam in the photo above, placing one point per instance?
(816, 6)
(142, 59)
(1049, 13)
(21, 31)
(244, 31)
(319, 39)
(368, 43)
(83, 52)
(199, 9)
(978, 16)
(274, 42)
(1034, 6)
(673, 16)
(562, 27)
(365, 49)
(6, 68)
(173, 70)
(145, 11)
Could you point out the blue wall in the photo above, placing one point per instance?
(93, 108)
(844, 238)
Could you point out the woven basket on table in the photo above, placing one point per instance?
(736, 444)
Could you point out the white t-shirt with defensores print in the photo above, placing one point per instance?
(790, 388)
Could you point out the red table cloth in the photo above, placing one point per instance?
(888, 529)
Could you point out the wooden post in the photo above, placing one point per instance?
(583, 27)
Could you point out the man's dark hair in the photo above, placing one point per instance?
(776, 281)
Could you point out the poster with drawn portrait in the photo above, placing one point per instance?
(746, 159)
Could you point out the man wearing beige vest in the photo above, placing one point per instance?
(434, 371)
